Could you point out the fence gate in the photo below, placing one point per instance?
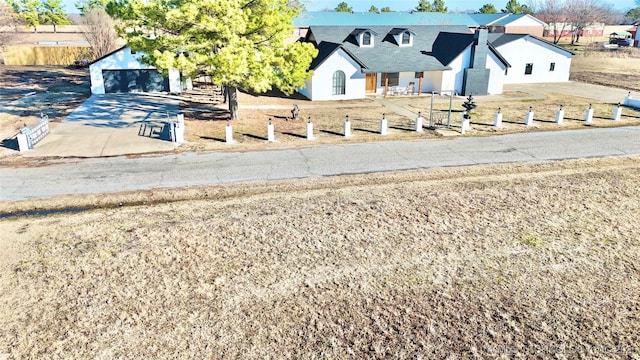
(34, 134)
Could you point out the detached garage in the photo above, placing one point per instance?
(122, 72)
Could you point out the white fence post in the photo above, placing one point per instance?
(383, 126)
(180, 128)
(560, 116)
(270, 131)
(228, 133)
(419, 121)
(588, 115)
(23, 144)
(309, 129)
(497, 122)
(528, 120)
(347, 127)
(465, 123)
(617, 113)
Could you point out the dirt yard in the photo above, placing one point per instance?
(508, 261)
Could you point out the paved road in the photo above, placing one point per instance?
(104, 175)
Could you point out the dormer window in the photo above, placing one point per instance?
(406, 38)
(403, 37)
(364, 37)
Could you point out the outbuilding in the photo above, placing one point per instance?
(122, 71)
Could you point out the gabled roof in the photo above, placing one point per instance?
(504, 21)
(107, 55)
(326, 49)
(488, 19)
(499, 39)
(386, 55)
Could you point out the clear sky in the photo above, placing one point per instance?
(401, 5)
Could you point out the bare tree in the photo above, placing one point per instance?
(554, 13)
(99, 30)
(583, 13)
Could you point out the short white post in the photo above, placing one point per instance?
(23, 144)
(309, 129)
(228, 132)
(383, 125)
(627, 98)
(588, 115)
(617, 113)
(465, 123)
(560, 116)
(419, 121)
(270, 131)
(180, 129)
(347, 127)
(497, 122)
(528, 120)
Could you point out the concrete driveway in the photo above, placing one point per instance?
(112, 124)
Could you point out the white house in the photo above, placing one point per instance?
(353, 62)
(122, 71)
(532, 59)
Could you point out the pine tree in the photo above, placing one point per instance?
(424, 6)
(373, 9)
(53, 13)
(343, 7)
(240, 44)
(30, 11)
(438, 6)
(488, 9)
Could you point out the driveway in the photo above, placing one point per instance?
(112, 124)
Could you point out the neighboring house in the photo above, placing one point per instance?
(355, 61)
(635, 31)
(518, 24)
(122, 71)
(506, 23)
(563, 27)
(532, 59)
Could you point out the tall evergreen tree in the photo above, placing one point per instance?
(488, 9)
(29, 11)
(239, 43)
(438, 6)
(53, 13)
(514, 7)
(343, 7)
(424, 6)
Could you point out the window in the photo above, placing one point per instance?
(528, 69)
(338, 83)
(418, 75)
(394, 79)
(406, 38)
(366, 38)
(552, 67)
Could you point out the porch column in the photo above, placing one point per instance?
(420, 83)
(386, 84)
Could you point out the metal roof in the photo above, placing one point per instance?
(332, 18)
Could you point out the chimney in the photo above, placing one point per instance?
(480, 49)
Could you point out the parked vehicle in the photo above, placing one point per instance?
(621, 38)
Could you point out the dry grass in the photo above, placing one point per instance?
(509, 261)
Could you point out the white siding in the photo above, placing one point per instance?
(531, 51)
(496, 77)
(526, 21)
(123, 59)
(453, 79)
(320, 87)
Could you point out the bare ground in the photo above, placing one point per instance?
(504, 261)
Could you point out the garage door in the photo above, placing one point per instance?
(123, 81)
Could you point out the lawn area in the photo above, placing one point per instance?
(505, 261)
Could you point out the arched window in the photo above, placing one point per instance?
(338, 83)
(366, 38)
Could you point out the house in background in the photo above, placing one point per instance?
(501, 22)
(355, 61)
(517, 24)
(532, 59)
(122, 71)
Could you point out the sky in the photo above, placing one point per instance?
(401, 5)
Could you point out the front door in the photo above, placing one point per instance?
(371, 82)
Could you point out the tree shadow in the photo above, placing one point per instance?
(276, 93)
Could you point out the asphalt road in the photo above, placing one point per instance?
(104, 175)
